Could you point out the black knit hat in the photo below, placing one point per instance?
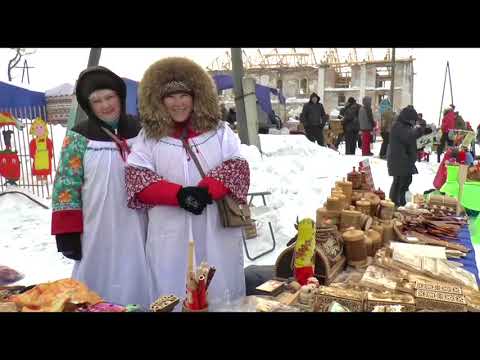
(98, 78)
(351, 100)
(409, 114)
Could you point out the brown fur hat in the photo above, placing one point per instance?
(156, 120)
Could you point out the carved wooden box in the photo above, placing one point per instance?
(351, 299)
(436, 300)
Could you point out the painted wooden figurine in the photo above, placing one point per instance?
(41, 149)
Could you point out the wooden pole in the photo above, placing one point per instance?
(392, 83)
(450, 80)
(443, 93)
(237, 73)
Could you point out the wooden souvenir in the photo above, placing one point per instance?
(384, 299)
(350, 218)
(288, 298)
(355, 247)
(374, 202)
(329, 258)
(372, 242)
(388, 231)
(438, 287)
(356, 195)
(334, 204)
(443, 200)
(341, 196)
(329, 246)
(363, 206)
(380, 194)
(325, 216)
(366, 222)
(436, 300)
(387, 209)
(347, 189)
(165, 303)
(355, 178)
(271, 287)
(353, 300)
(379, 229)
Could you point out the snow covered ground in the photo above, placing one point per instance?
(298, 173)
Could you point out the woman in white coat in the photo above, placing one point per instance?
(178, 99)
(90, 219)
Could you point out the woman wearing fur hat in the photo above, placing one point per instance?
(90, 219)
(178, 100)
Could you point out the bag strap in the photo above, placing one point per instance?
(121, 143)
(191, 152)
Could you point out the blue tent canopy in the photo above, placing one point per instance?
(262, 92)
(132, 91)
(12, 96)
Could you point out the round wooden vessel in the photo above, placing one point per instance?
(355, 247)
(325, 216)
(350, 218)
(374, 202)
(387, 209)
(363, 206)
(373, 242)
(334, 204)
(355, 178)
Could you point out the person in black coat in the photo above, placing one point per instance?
(351, 125)
(313, 118)
(402, 153)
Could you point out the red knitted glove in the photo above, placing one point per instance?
(215, 187)
(160, 193)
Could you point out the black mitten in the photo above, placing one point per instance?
(69, 245)
(194, 199)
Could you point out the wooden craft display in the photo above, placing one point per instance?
(363, 206)
(355, 247)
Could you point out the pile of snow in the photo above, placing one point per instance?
(61, 90)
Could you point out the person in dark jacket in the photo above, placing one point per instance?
(402, 153)
(350, 125)
(313, 118)
(367, 124)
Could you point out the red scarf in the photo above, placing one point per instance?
(179, 128)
